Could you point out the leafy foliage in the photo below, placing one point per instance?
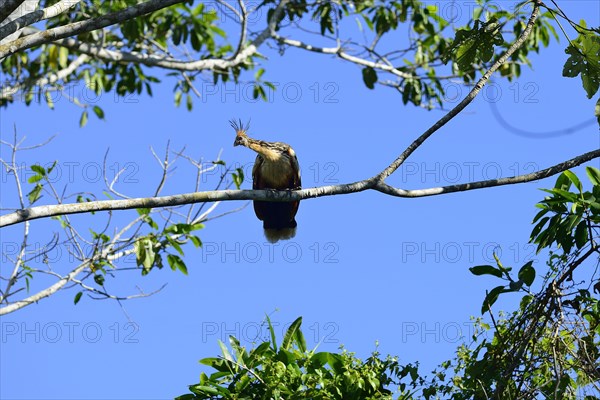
(291, 371)
(549, 347)
(436, 51)
(584, 60)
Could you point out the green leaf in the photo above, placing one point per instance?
(291, 333)
(272, 332)
(238, 177)
(174, 244)
(486, 270)
(196, 241)
(83, 119)
(562, 182)
(583, 60)
(527, 273)
(99, 279)
(77, 297)
(38, 169)
(593, 174)
(35, 194)
(581, 234)
(176, 263)
(63, 55)
(369, 77)
(52, 167)
(321, 358)
(35, 178)
(491, 298)
(49, 101)
(225, 351)
(573, 178)
(99, 112)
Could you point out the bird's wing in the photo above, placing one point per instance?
(257, 183)
(295, 180)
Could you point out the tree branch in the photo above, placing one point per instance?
(152, 60)
(84, 26)
(36, 16)
(534, 176)
(44, 293)
(7, 7)
(32, 213)
(337, 51)
(8, 91)
(467, 100)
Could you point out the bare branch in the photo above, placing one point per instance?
(43, 293)
(534, 176)
(337, 51)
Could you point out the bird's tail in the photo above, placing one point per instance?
(275, 235)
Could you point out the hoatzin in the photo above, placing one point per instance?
(275, 167)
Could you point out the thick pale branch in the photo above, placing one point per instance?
(77, 28)
(7, 7)
(36, 16)
(466, 101)
(179, 199)
(153, 60)
(273, 195)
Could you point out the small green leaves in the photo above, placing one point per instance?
(99, 279)
(77, 297)
(569, 209)
(369, 77)
(40, 174)
(584, 60)
(144, 252)
(473, 45)
(35, 194)
(238, 177)
(176, 263)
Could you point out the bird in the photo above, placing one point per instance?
(276, 167)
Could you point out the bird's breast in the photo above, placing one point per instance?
(276, 174)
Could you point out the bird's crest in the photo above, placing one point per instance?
(239, 126)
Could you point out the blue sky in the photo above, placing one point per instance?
(363, 268)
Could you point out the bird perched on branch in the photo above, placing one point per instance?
(275, 167)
